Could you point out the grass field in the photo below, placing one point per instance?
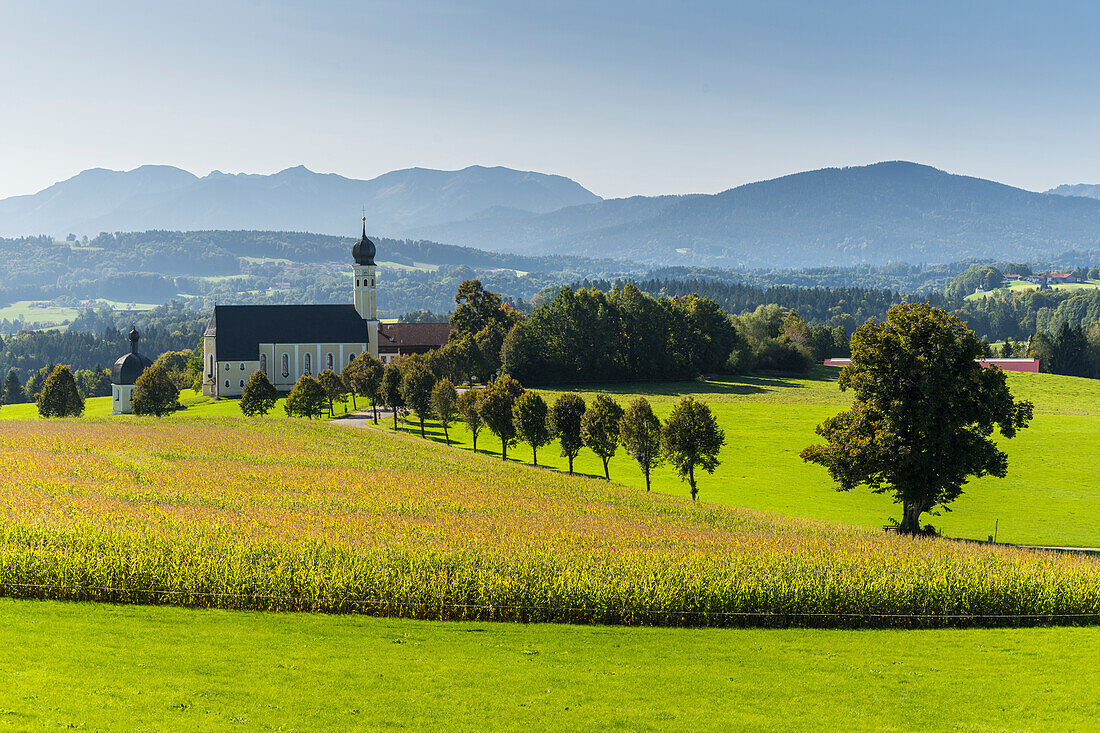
(1022, 286)
(1051, 495)
(107, 667)
(38, 311)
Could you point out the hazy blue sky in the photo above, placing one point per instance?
(625, 97)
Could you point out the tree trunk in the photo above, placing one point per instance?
(910, 517)
(570, 465)
(374, 405)
(446, 436)
(422, 428)
(503, 449)
(647, 480)
(606, 475)
(394, 419)
(691, 483)
(354, 405)
(475, 442)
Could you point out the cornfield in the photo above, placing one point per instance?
(289, 516)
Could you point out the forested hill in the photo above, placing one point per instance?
(887, 212)
(155, 266)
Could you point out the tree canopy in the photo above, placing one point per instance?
(155, 393)
(565, 423)
(600, 428)
(59, 396)
(692, 439)
(259, 395)
(923, 413)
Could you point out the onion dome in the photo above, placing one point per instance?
(130, 366)
(363, 250)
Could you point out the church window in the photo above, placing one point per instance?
(242, 383)
(263, 364)
(227, 383)
(351, 358)
(210, 372)
(329, 360)
(242, 366)
(117, 395)
(356, 283)
(227, 366)
(309, 364)
(286, 365)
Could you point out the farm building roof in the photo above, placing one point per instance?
(413, 335)
(238, 330)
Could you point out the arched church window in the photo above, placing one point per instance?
(242, 383)
(351, 358)
(263, 364)
(242, 366)
(329, 361)
(356, 283)
(227, 383)
(210, 371)
(309, 364)
(286, 365)
(227, 366)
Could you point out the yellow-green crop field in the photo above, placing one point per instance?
(277, 514)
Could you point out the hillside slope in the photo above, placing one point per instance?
(896, 211)
(295, 199)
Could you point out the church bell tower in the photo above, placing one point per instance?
(364, 294)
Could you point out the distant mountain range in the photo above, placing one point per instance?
(1087, 190)
(886, 212)
(295, 199)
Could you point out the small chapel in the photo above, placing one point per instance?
(286, 342)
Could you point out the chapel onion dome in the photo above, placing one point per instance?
(130, 366)
(363, 251)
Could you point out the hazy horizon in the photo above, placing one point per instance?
(626, 99)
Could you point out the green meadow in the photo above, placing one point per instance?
(108, 667)
(1050, 496)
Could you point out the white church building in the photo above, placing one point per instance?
(288, 341)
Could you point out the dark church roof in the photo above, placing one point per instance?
(363, 250)
(238, 330)
(130, 366)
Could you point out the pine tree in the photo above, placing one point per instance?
(59, 396)
(13, 390)
(259, 395)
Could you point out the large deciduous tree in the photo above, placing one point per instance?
(495, 405)
(640, 431)
(691, 439)
(565, 423)
(600, 428)
(155, 393)
(59, 396)
(529, 414)
(259, 395)
(923, 414)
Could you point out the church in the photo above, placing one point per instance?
(286, 342)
